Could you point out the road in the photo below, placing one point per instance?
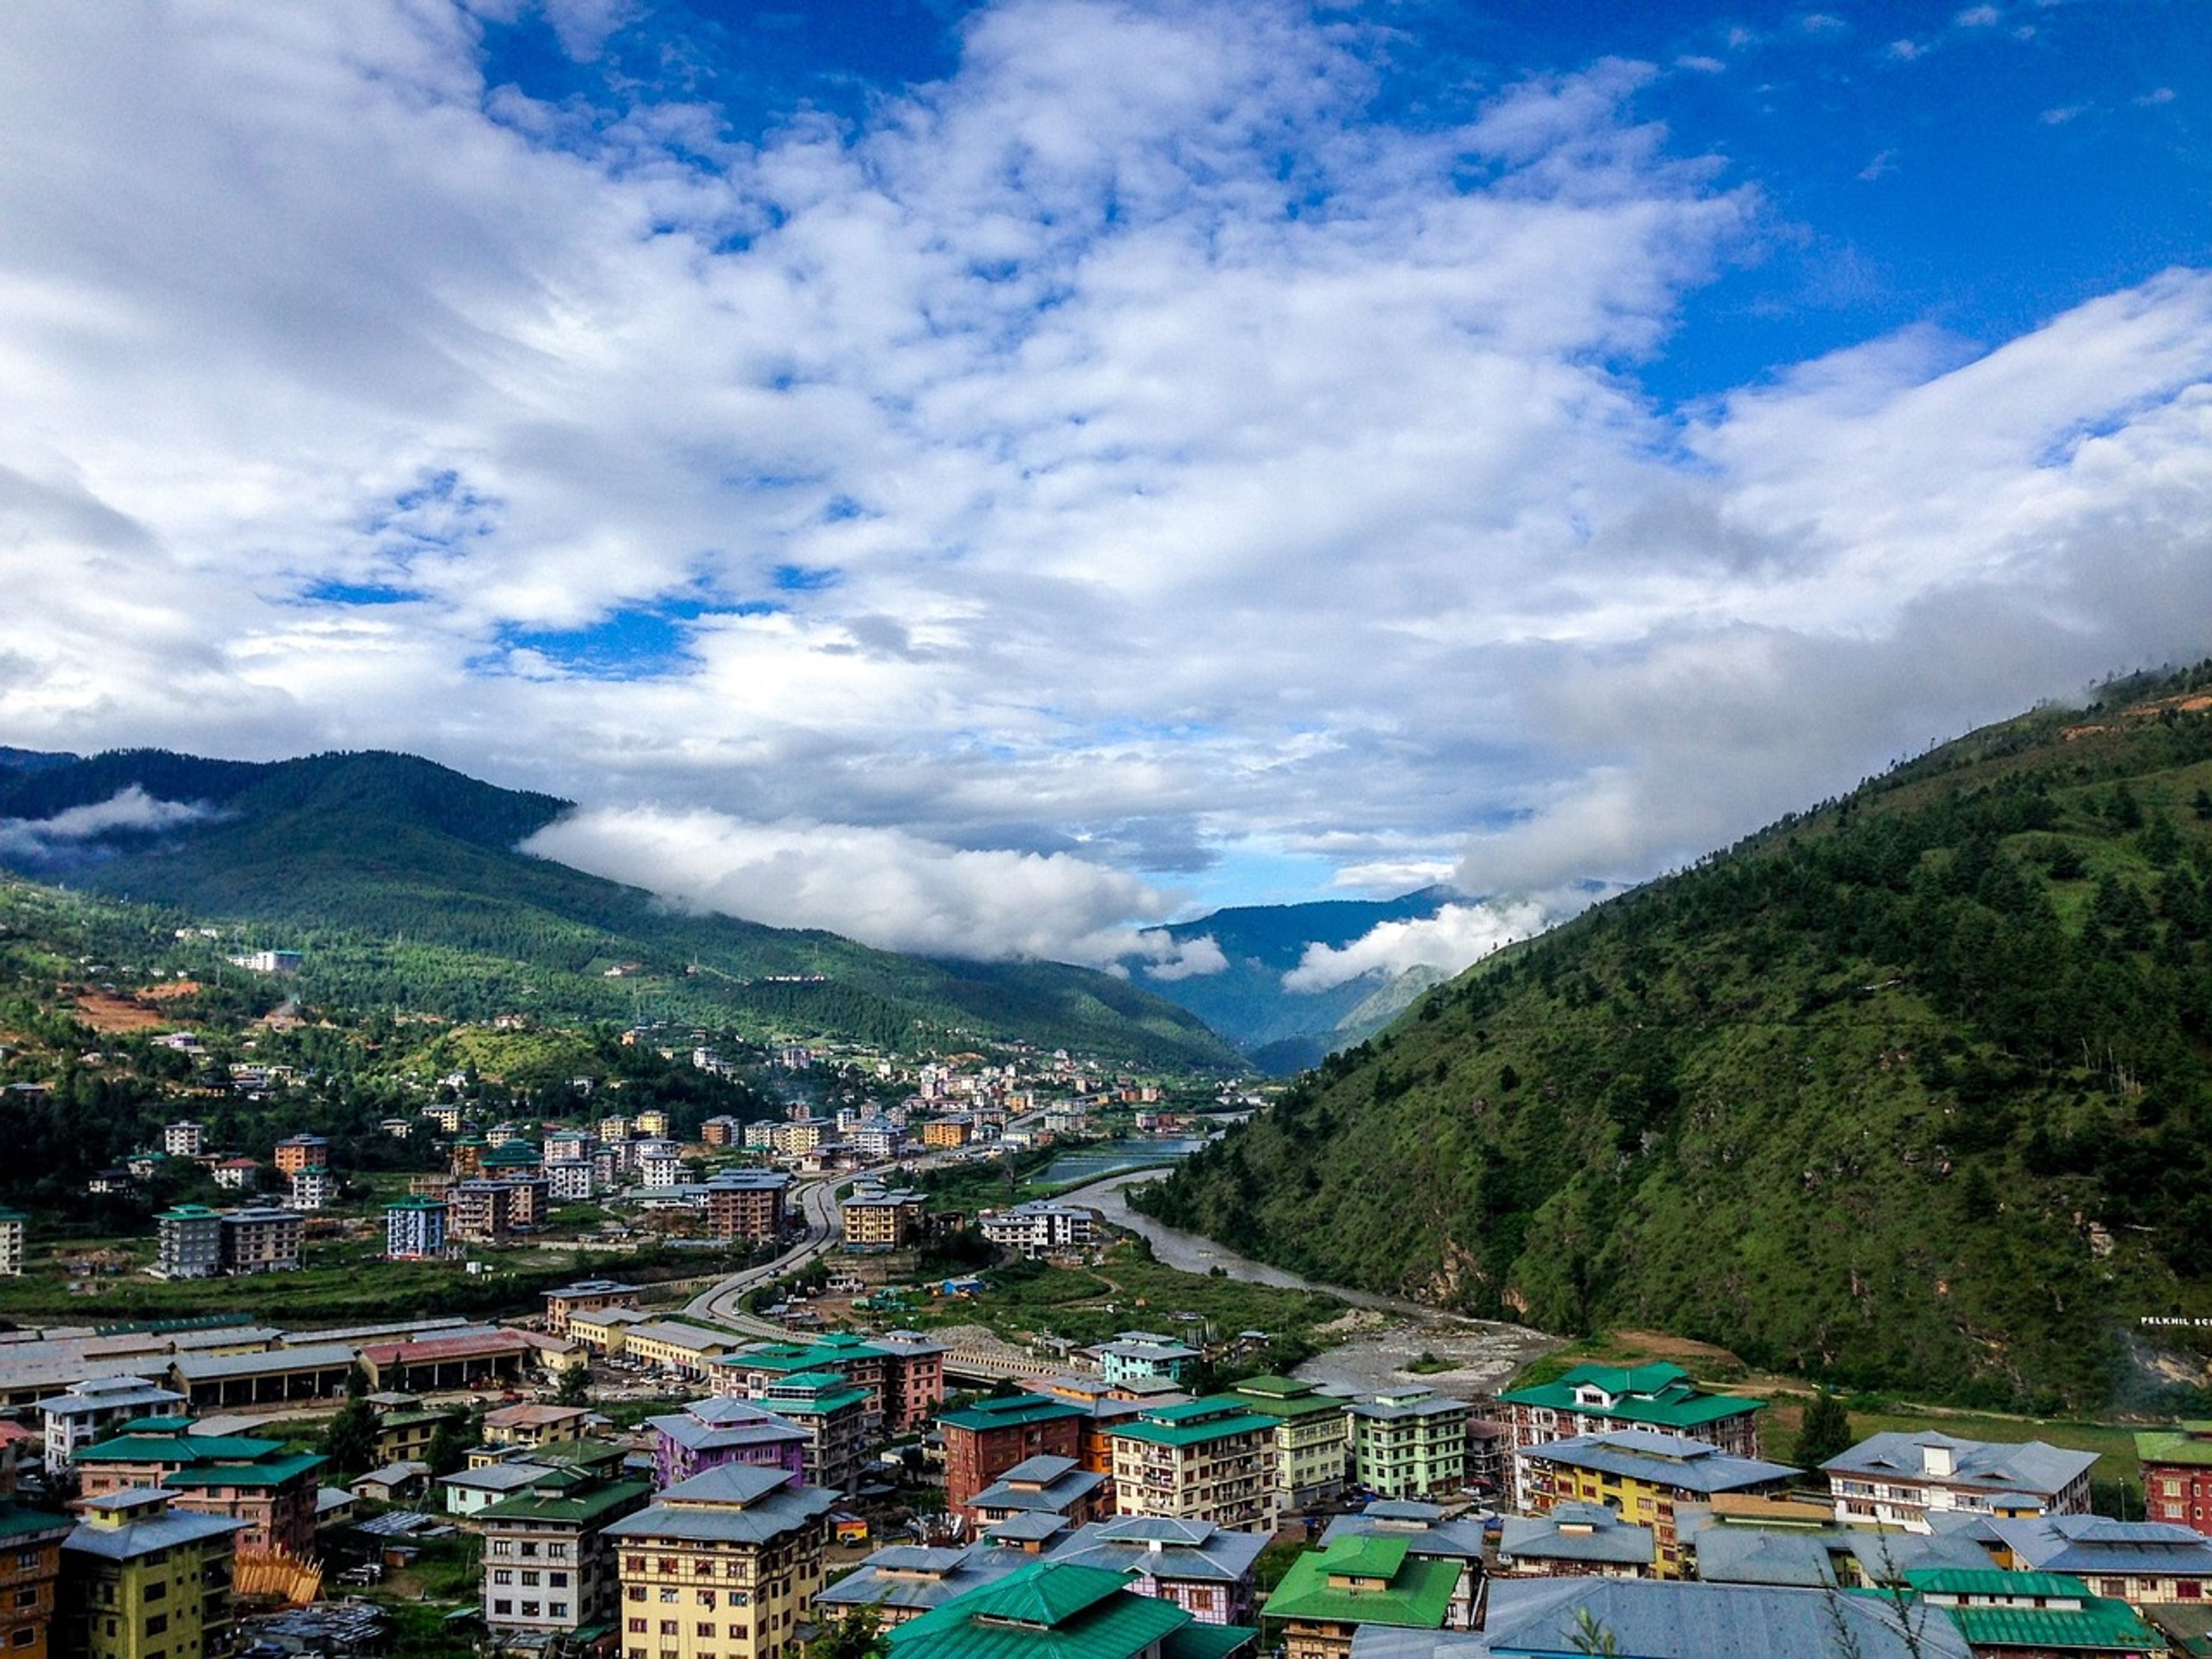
(816, 1203)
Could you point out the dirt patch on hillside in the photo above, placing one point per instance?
(108, 1013)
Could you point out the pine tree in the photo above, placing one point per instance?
(1826, 1433)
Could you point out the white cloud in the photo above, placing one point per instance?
(1189, 459)
(883, 887)
(1977, 17)
(1457, 937)
(1192, 958)
(131, 810)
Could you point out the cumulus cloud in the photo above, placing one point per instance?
(1190, 958)
(130, 810)
(1136, 448)
(883, 887)
(1457, 937)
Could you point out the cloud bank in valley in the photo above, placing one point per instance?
(129, 810)
(1178, 436)
(1457, 937)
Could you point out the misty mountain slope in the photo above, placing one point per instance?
(1913, 1091)
(391, 847)
(1246, 1002)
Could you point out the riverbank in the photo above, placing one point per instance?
(1387, 1342)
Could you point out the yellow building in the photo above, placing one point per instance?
(1642, 1477)
(529, 1425)
(1200, 1459)
(1313, 1438)
(141, 1582)
(726, 1563)
(653, 1124)
(602, 1330)
(690, 1351)
(877, 1220)
(947, 1132)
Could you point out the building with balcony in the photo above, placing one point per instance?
(746, 1203)
(548, 1568)
(711, 1432)
(141, 1580)
(415, 1229)
(984, 1440)
(303, 1151)
(188, 1242)
(1202, 1459)
(12, 1224)
(1900, 1480)
(727, 1563)
(268, 1491)
(261, 1240)
(586, 1295)
(1409, 1442)
(78, 1416)
(1040, 1228)
(1313, 1438)
(1642, 1477)
(1599, 1399)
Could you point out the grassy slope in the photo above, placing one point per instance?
(1892, 1095)
(374, 849)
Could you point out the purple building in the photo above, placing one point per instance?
(707, 1434)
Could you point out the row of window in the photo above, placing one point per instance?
(704, 1628)
(530, 1575)
(529, 1609)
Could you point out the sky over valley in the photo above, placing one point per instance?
(984, 479)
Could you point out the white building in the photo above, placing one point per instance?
(659, 1164)
(1040, 1228)
(312, 1189)
(78, 1416)
(569, 1179)
(415, 1229)
(183, 1139)
(11, 1243)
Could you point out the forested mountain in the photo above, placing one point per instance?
(399, 878)
(1914, 1090)
(1281, 1030)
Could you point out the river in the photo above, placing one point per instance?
(1484, 1352)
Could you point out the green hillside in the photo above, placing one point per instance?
(1914, 1091)
(399, 878)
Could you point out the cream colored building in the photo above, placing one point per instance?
(724, 1564)
(1207, 1459)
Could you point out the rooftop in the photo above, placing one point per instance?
(1365, 1581)
(2028, 1466)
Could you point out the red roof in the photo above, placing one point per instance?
(444, 1348)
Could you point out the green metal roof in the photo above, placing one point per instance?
(2174, 1446)
(1659, 1393)
(596, 1503)
(1015, 1411)
(1049, 1610)
(268, 1472)
(821, 1405)
(16, 1521)
(2100, 1626)
(177, 1448)
(1417, 1595)
(1198, 1641)
(1993, 1581)
(1193, 1433)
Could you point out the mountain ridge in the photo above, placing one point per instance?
(1911, 1089)
(375, 845)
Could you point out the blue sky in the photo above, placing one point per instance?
(987, 478)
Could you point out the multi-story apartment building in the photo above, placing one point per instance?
(261, 1240)
(721, 1131)
(236, 1175)
(985, 1439)
(842, 1423)
(654, 1124)
(529, 1201)
(313, 1188)
(1313, 1438)
(710, 1433)
(548, 1568)
(415, 1229)
(1136, 1356)
(568, 1179)
(268, 1491)
(1895, 1479)
(1600, 1399)
(481, 1212)
(189, 1243)
(659, 1164)
(941, 1133)
(746, 1203)
(30, 1568)
(2177, 1475)
(1642, 1477)
(183, 1139)
(447, 1115)
(874, 1218)
(726, 1563)
(12, 1224)
(140, 1581)
(1202, 1459)
(1040, 1228)
(1409, 1442)
(905, 1372)
(85, 1411)
(298, 1152)
(564, 1145)
(466, 1156)
(586, 1295)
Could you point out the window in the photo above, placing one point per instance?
(503, 1547)
(668, 1627)
(528, 1576)
(529, 1548)
(704, 1627)
(633, 1564)
(157, 1624)
(503, 1607)
(27, 1637)
(27, 1559)
(27, 1598)
(636, 1593)
(155, 1591)
(668, 1595)
(557, 1580)
(637, 1627)
(529, 1609)
(557, 1609)
(502, 1575)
